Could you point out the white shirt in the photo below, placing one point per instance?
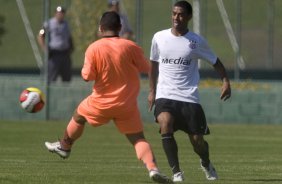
(178, 64)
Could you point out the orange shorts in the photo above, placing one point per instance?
(127, 122)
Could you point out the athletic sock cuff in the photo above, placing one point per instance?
(167, 136)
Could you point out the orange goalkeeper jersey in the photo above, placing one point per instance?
(114, 64)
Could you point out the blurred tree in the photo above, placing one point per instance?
(2, 29)
(84, 18)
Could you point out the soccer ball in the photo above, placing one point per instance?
(32, 100)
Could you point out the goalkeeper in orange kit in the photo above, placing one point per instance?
(114, 64)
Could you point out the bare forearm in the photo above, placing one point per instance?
(218, 66)
(226, 88)
(153, 76)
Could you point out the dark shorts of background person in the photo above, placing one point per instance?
(188, 117)
(59, 64)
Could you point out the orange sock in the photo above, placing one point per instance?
(145, 153)
(73, 131)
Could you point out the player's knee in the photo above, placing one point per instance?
(79, 118)
(166, 127)
(165, 121)
(196, 140)
(166, 130)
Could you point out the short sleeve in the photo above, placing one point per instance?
(205, 52)
(140, 60)
(154, 54)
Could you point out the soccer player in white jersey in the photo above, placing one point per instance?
(174, 78)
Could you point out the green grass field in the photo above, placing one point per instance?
(242, 154)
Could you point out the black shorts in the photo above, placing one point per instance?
(188, 117)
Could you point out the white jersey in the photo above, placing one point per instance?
(178, 64)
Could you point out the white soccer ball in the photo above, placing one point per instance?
(32, 100)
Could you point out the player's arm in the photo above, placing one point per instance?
(140, 61)
(153, 77)
(88, 71)
(226, 88)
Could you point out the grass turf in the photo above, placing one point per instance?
(249, 154)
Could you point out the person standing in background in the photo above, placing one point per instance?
(60, 46)
(126, 30)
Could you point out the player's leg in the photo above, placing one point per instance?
(73, 131)
(163, 107)
(132, 127)
(144, 152)
(201, 147)
(143, 149)
(197, 128)
(85, 112)
(165, 120)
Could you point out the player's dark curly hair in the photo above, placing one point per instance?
(110, 21)
(186, 6)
